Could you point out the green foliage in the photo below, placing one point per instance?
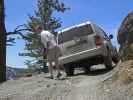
(43, 16)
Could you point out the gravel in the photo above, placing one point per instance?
(94, 86)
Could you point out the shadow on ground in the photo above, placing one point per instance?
(95, 72)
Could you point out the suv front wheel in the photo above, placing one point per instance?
(116, 56)
(108, 61)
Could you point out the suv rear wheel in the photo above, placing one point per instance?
(69, 69)
(86, 69)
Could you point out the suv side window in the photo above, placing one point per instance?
(105, 35)
(100, 31)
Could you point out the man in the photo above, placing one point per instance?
(49, 42)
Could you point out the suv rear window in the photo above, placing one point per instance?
(77, 31)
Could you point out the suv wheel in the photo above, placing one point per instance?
(86, 67)
(69, 69)
(108, 61)
(116, 56)
(87, 70)
(115, 59)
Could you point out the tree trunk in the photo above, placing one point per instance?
(2, 43)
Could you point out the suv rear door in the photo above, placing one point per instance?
(76, 39)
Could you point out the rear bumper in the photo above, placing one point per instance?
(101, 50)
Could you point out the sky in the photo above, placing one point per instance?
(108, 14)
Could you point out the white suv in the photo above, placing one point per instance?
(84, 45)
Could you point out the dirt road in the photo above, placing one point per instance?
(78, 87)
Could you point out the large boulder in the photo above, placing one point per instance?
(125, 36)
(125, 32)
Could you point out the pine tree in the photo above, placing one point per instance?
(43, 16)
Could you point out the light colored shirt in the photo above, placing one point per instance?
(48, 38)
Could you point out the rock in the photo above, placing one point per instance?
(125, 37)
(125, 32)
(47, 85)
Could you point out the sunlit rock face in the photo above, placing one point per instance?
(125, 32)
(125, 37)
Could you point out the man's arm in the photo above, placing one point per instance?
(47, 46)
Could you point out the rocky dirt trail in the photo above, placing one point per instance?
(120, 85)
(78, 87)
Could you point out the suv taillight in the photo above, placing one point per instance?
(98, 40)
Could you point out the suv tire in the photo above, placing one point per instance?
(86, 67)
(115, 59)
(69, 69)
(116, 56)
(108, 61)
(87, 70)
